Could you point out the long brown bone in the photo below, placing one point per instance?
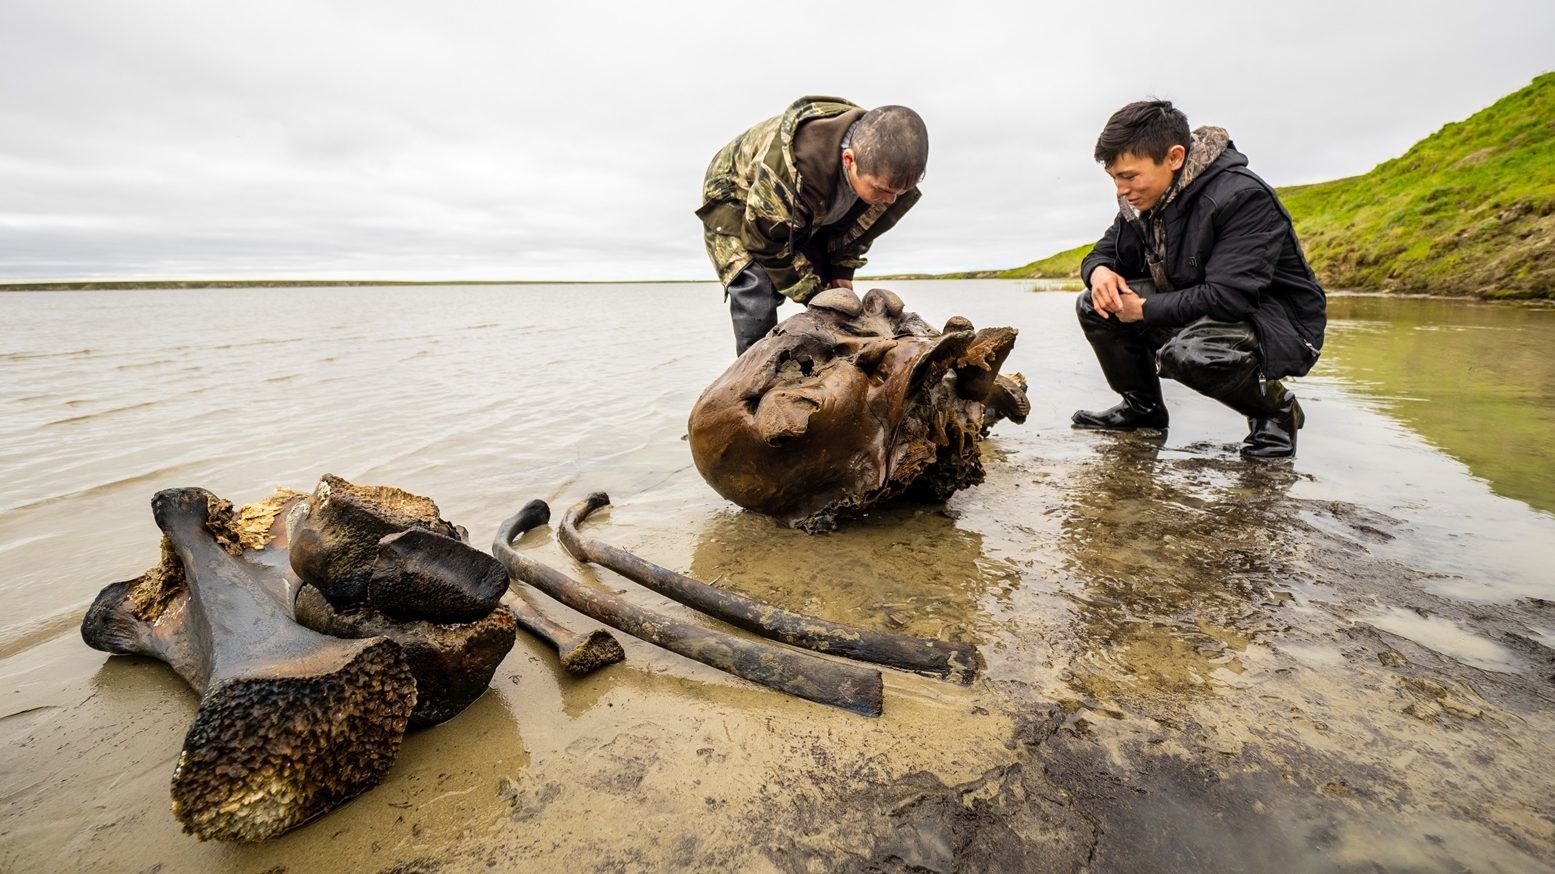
(579, 653)
(954, 661)
(840, 685)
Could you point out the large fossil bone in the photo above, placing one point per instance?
(579, 652)
(955, 661)
(397, 568)
(841, 685)
(850, 403)
(431, 593)
(334, 534)
(291, 723)
(453, 663)
(421, 575)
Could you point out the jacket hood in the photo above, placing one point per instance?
(1226, 160)
(801, 111)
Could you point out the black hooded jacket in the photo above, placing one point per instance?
(1232, 254)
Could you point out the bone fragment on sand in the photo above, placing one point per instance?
(453, 662)
(579, 652)
(392, 550)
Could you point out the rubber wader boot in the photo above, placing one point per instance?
(1273, 416)
(1131, 373)
(753, 305)
(1128, 362)
(1275, 436)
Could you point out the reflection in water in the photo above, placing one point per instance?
(1477, 381)
(1176, 557)
(903, 568)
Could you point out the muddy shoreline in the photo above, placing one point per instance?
(1193, 661)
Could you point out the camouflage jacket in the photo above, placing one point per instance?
(752, 211)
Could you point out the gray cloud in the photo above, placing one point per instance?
(484, 140)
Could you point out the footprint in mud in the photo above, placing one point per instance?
(1364, 524)
(528, 802)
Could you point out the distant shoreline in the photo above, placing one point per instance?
(156, 284)
(159, 284)
(217, 284)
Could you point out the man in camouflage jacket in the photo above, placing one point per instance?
(790, 206)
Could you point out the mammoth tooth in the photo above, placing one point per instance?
(883, 302)
(422, 575)
(291, 723)
(841, 300)
(1007, 399)
(944, 353)
(334, 534)
(979, 364)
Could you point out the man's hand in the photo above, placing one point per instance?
(1131, 307)
(841, 283)
(1107, 290)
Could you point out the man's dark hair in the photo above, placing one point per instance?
(1146, 128)
(891, 144)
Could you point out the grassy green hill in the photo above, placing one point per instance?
(1469, 210)
(1064, 265)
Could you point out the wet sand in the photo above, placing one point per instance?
(1193, 661)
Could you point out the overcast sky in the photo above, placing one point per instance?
(567, 140)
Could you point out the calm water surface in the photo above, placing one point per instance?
(1335, 645)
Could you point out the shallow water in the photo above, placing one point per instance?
(1192, 660)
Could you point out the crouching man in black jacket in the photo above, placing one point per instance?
(1200, 279)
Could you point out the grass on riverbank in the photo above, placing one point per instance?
(1064, 265)
(1469, 210)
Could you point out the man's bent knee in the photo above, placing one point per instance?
(1083, 307)
(1090, 319)
(1206, 353)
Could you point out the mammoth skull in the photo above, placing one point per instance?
(850, 403)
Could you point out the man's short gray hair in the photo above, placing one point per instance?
(891, 144)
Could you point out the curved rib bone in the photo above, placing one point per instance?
(291, 723)
(816, 679)
(949, 659)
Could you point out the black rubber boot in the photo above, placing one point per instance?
(753, 305)
(1134, 412)
(1219, 359)
(1128, 362)
(1274, 436)
(1273, 415)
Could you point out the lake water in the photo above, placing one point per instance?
(1192, 659)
